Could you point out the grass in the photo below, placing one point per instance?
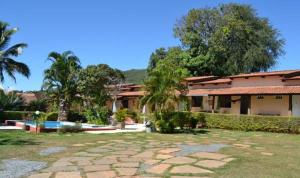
(249, 163)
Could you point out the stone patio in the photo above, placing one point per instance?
(148, 158)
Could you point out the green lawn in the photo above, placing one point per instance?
(249, 163)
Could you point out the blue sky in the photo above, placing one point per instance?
(121, 33)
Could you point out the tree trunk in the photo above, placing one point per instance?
(63, 110)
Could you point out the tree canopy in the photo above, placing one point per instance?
(8, 64)
(227, 40)
(94, 81)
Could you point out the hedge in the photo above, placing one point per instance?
(15, 115)
(282, 124)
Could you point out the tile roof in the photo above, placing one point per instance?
(28, 97)
(132, 93)
(258, 74)
(247, 90)
(293, 78)
(203, 78)
(221, 80)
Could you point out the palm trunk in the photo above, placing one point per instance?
(63, 110)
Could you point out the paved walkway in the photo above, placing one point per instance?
(147, 158)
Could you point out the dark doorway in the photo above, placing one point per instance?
(125, 103)
(245, 104)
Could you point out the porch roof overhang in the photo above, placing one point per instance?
(267, 90)
(132, 94)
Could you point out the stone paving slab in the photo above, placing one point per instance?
(68, 175)
(41, 175)
(189, 177)
(187, 169)
(180, 160)
(126, 171)
(96, 168)
(101, 174)
(127, 165)
(158, 169)
(210, 163)
(207, 155)
(169, 150)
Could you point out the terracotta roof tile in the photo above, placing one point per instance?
(221, 80)
(200, 78)
(258, 74)
(293, 78)
(132, 93)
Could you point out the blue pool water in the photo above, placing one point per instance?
(47, 124)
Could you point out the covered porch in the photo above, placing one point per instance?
(279, 100)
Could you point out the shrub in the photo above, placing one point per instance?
(97, 116)
(121, 115)
(164, 126)
(51, 116)
(76, 117)
(37, 105)
(251, 122)
(71, 128)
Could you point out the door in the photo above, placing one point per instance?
(245, 104)
(296, 105)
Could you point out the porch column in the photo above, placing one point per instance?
(249, 105)
(290, 105)
(213, 105)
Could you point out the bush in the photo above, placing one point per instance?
(37, 105)
(51, 116)
(251, 122)
(76, 117)
(97, 116)
(71, 129)
(121, 115)
(164, 126)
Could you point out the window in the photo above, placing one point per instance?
(196, 101)
(225, 101)
(125, 103)
(260, 97)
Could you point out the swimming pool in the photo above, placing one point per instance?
(49, 126)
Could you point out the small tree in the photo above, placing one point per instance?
(94, 82)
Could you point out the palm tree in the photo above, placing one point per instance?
(164, 86)
(7, 64)
(10, 101)
(61, 79)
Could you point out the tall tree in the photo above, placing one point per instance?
(8, 64)
(164, 85)
(60, 80)
(94, 81)
(156, 56)
(227, 40)
(177, 54)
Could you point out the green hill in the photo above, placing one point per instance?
(135, 76)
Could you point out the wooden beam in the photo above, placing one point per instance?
(213, 105)
(290, 104)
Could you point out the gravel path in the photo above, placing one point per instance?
(52, 150)
(13, 168)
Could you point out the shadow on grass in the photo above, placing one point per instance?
(17, 141)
